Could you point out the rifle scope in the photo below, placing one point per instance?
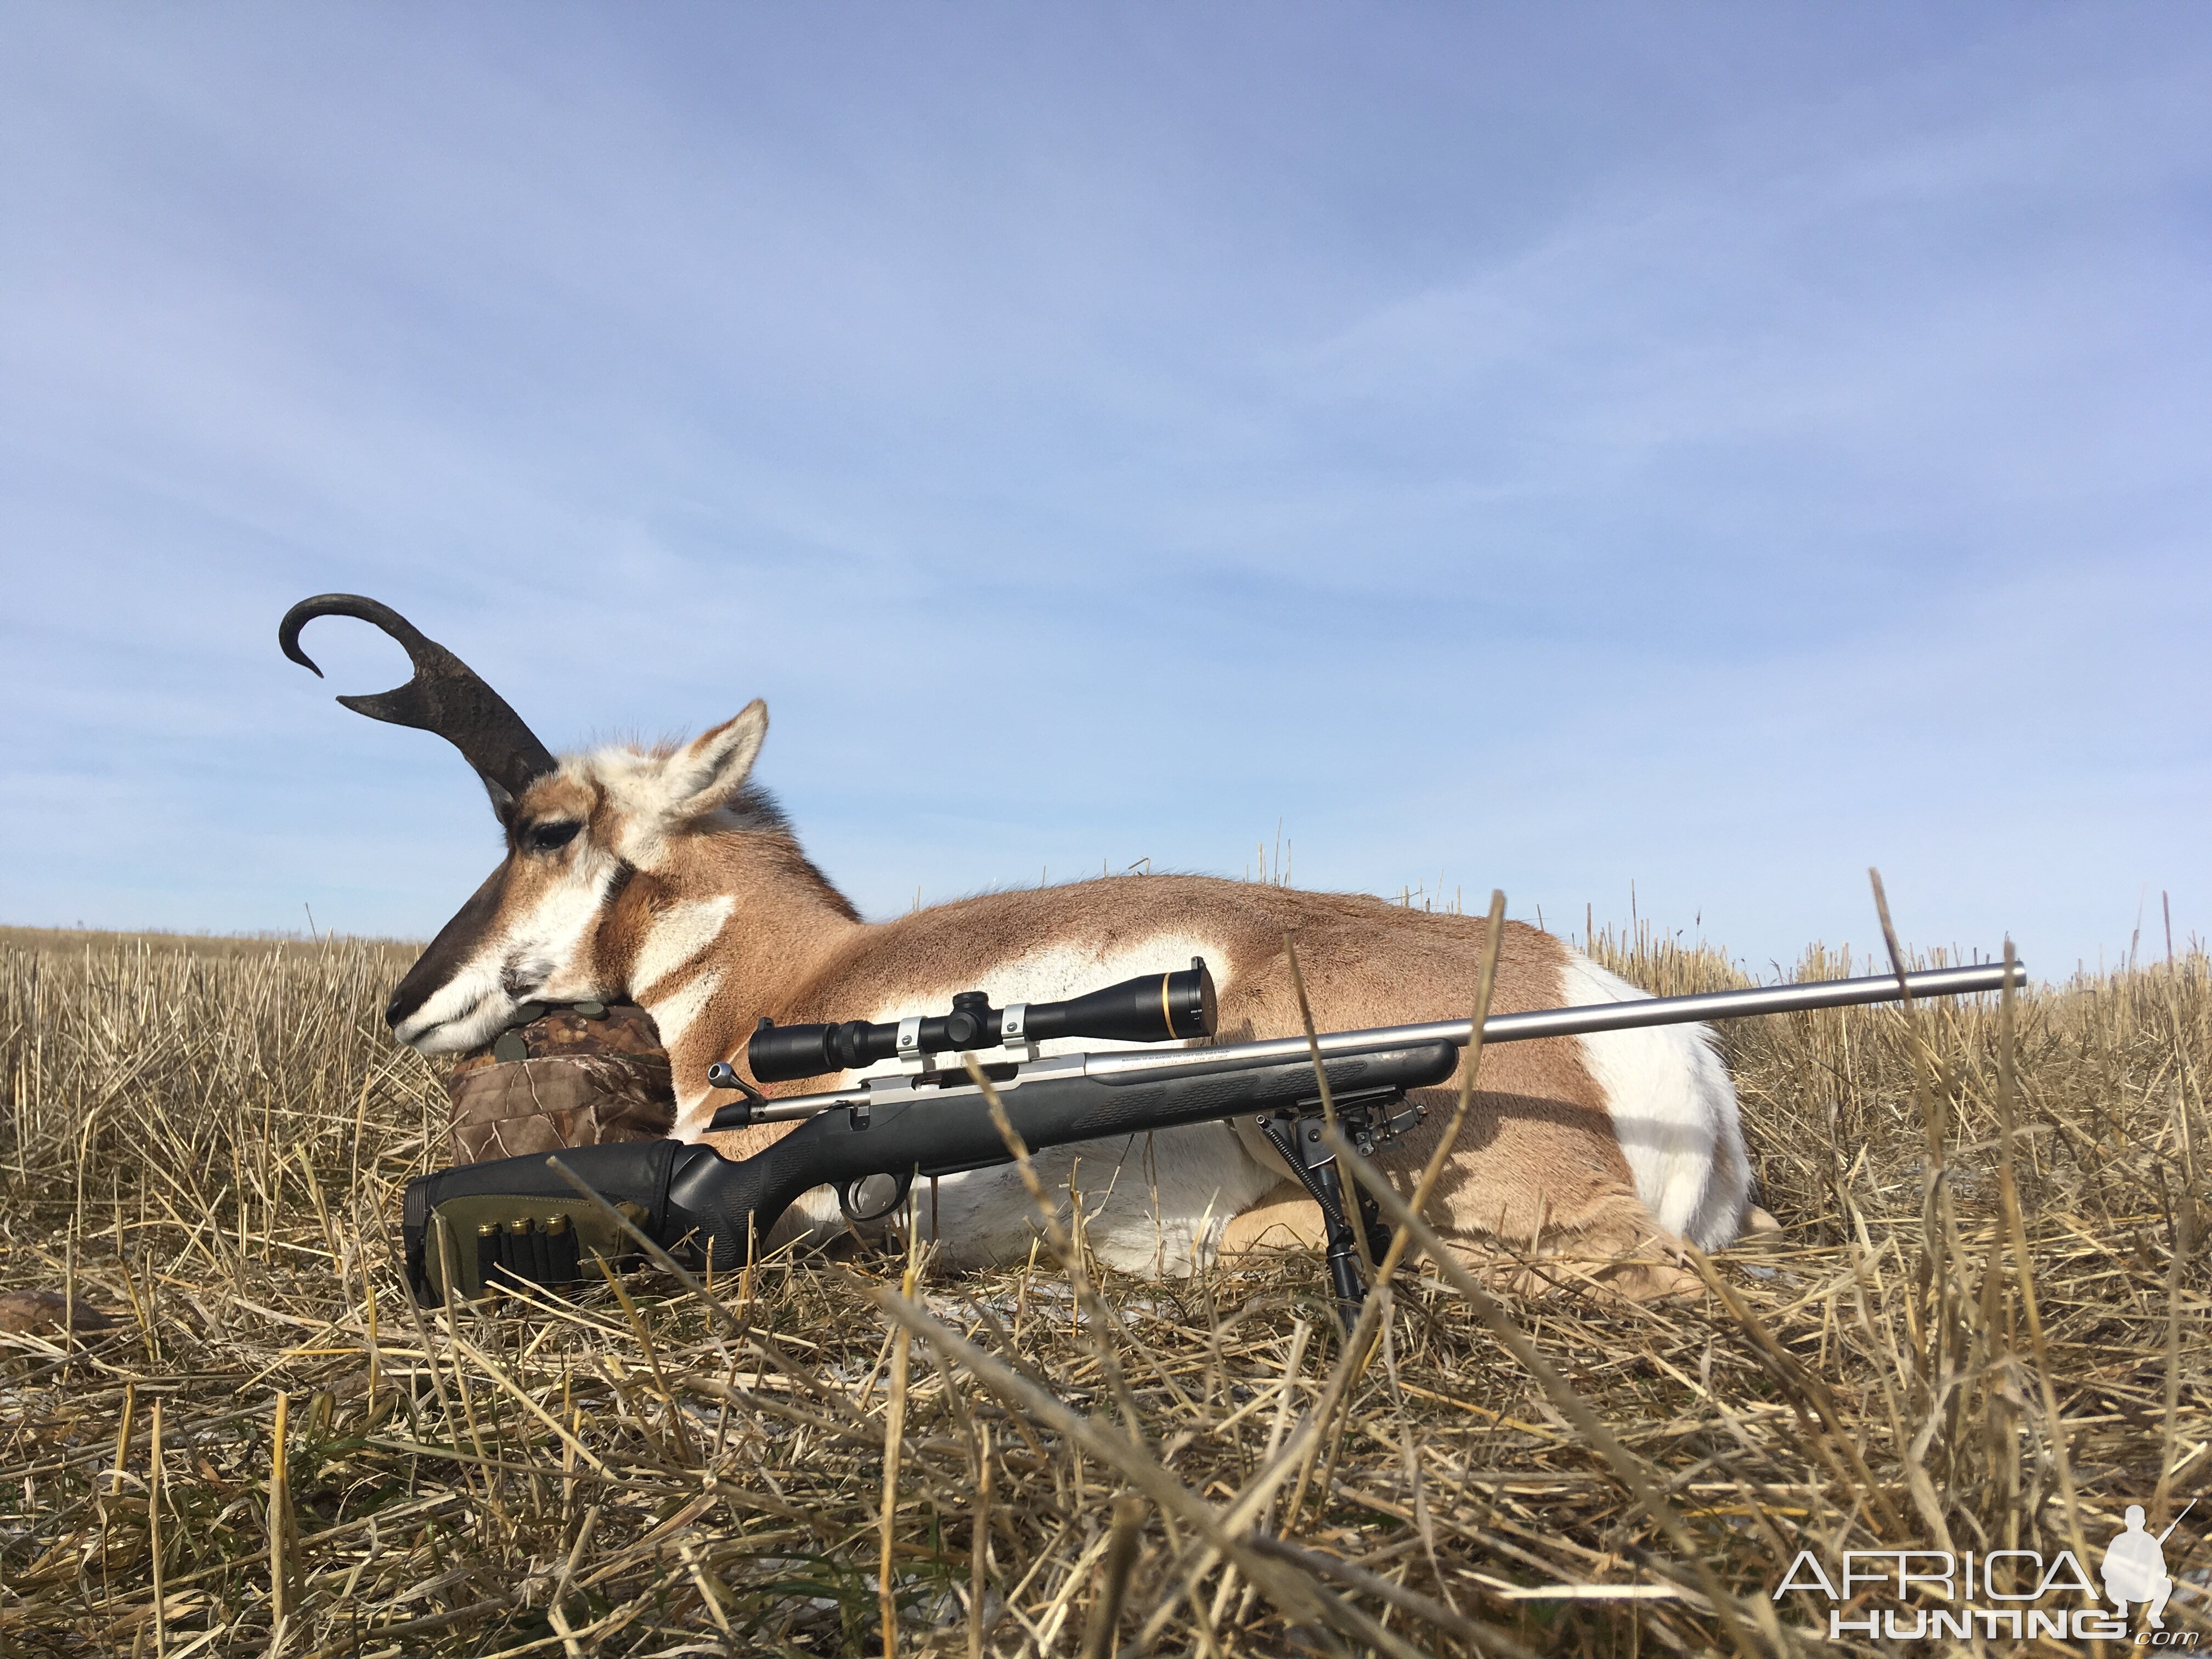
(1151, 1008)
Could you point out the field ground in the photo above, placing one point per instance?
(263, 1445)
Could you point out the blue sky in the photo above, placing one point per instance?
(1716, 447)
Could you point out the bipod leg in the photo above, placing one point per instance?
(1371, 1219)
(1298, 1141)
(1345, 1275)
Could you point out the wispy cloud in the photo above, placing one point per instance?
(1720, 448)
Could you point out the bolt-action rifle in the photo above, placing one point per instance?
(516, 1218)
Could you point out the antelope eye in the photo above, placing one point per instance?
(546, 837)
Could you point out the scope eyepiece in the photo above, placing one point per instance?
(1151, 1008)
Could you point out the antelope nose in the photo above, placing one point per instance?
(404, 1001)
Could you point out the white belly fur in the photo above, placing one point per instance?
(1674, 1107)
(1152, 1204)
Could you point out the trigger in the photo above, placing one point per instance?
(873, 1197)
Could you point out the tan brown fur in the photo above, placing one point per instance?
(1538, 1158)
(685, 891)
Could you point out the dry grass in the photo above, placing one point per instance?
(208, 1147)
(74, 941)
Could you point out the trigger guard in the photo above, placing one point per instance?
(849, 1193)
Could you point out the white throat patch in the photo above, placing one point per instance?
(680, 937)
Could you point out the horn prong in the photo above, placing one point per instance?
(401, 705)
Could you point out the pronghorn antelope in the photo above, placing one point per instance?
(668, 877)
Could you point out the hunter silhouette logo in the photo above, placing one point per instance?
(2135, 1566)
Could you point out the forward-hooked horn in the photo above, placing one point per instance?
(445, 695)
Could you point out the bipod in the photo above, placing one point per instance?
(1367, 1121)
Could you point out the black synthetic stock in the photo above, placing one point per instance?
(944, 1136)
(729, 1203)
(631, 1172)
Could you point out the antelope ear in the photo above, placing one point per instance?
(710, 769)
(502, 803)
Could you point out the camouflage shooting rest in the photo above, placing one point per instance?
(579, 1075)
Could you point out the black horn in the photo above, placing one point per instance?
(445, 695)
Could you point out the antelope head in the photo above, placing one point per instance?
(550, 922)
